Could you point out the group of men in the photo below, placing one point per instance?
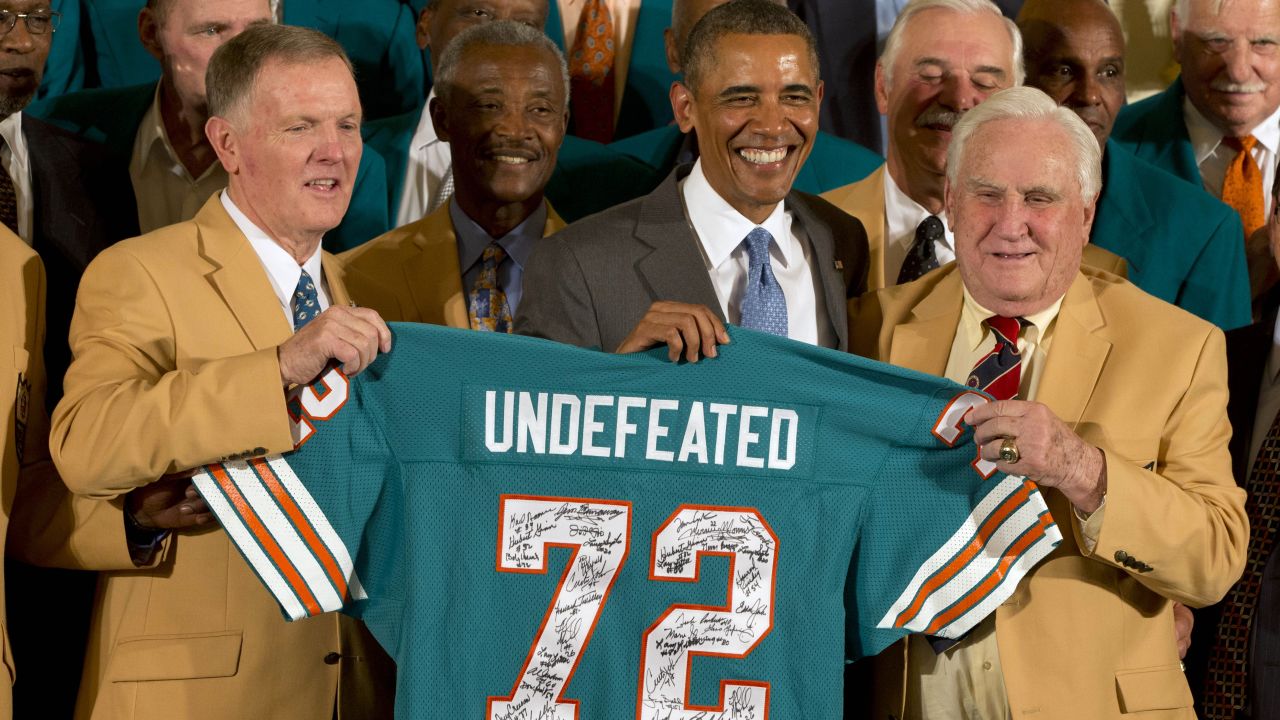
(990, 247)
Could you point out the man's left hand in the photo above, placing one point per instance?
(1051, 454)
(170, 503)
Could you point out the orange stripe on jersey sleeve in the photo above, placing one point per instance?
(308, 533)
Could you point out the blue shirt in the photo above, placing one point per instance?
(473, 239)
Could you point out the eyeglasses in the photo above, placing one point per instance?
(38, 23)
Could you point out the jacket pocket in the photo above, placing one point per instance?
(175, 657)
(1157, 688)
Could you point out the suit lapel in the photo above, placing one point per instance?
(432, 273)
(1077, 356)
(238, 276)
(1123, 214)
(335, 277)
(865, 201)
(924, 342)
(1165, 141)
(833, 287)
(674, 270)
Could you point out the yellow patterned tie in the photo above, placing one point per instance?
(1242, 186)
(489, 309)
(591, 74)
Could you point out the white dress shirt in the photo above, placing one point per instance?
(428, 163)
(623, 13)
(1268, 398)
(163, 188)
(721, 230)
(1213, 158)
(902, 216)
(17, 162)
(282, 270)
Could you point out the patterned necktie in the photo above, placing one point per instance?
(489, 309)
(8, 198)
(1242, 186)
(591, 73)
(764, 307)
(922, 257)
(1227, 680)
(306, 302)
(444, 192)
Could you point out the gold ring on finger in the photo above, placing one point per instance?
(1009, 452)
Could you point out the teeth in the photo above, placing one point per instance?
(762, 157)
(510, 160)
(324, 183)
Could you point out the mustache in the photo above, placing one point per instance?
(1233, 87)
(938, 115)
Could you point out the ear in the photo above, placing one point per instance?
(225, 142)
(682, 105)
(882, 91)
(422, 31)
(440, 119)
(673, 52)
(821, 89)
(149, 33)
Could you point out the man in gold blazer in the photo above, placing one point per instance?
(185, 341)
(1119, 415)
(440, 268)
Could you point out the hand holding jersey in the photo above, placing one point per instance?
(353, 336)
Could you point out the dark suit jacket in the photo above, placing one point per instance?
(589, 284)
(111, 116)
(1247, 352)
(1154, 130)
(1181, 243)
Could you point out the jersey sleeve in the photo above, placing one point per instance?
(307, 522)
(945, 537)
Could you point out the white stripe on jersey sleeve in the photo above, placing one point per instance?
(1017, 571)
(244, 540)
(324, 530)
(286, 535)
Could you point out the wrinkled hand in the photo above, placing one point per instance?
(1183, 621)
(691, 330)
(1052, 455)
(351, 335)
(170, 503)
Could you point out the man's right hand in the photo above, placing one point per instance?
(693, 330)
(351, 335)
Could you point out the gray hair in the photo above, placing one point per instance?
(499, 33)
(1028, 103)
(893, 43)
(1182, 8)
(739, 17)
(234, 67)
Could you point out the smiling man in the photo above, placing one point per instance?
(1113, 402)
(1181, 244)
(185, 342)
(501, 103)
(725, 239)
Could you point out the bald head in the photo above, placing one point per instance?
(1074, 52)
(684, 15)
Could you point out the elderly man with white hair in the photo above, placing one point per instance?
(1112, 401)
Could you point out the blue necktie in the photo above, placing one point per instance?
(763, 305)
(306, 302)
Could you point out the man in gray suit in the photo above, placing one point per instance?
(723, 239)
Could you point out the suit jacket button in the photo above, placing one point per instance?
(1122, 557)
(332, 658)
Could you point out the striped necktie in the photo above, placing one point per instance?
(999, 372)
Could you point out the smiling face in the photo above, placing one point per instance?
(756, 113)
(504, 117)
(292, 149)
(22, 57)
(1075, 54)
(438, 26)
(947, 63)
(191, 30)
(1230, 61)
(1019, 220)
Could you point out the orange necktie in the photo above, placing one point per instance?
(591, 74)
(1242, 187)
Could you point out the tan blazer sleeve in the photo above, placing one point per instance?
(132, 411)
(1184, 519)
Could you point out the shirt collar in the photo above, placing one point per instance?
(281, 267)
(15, 140)
(975, 333)
(425, 135)
(721, 228)
(901, 211)
(473, 239)
(1205, 136)
(151, 133)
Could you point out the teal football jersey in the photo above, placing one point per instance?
(534, 530)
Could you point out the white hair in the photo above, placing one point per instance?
(1028, 103)
(893, 43)
(1182, 8)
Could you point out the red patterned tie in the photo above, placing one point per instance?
(591, 74)
(1227, 682)
(999, 372)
